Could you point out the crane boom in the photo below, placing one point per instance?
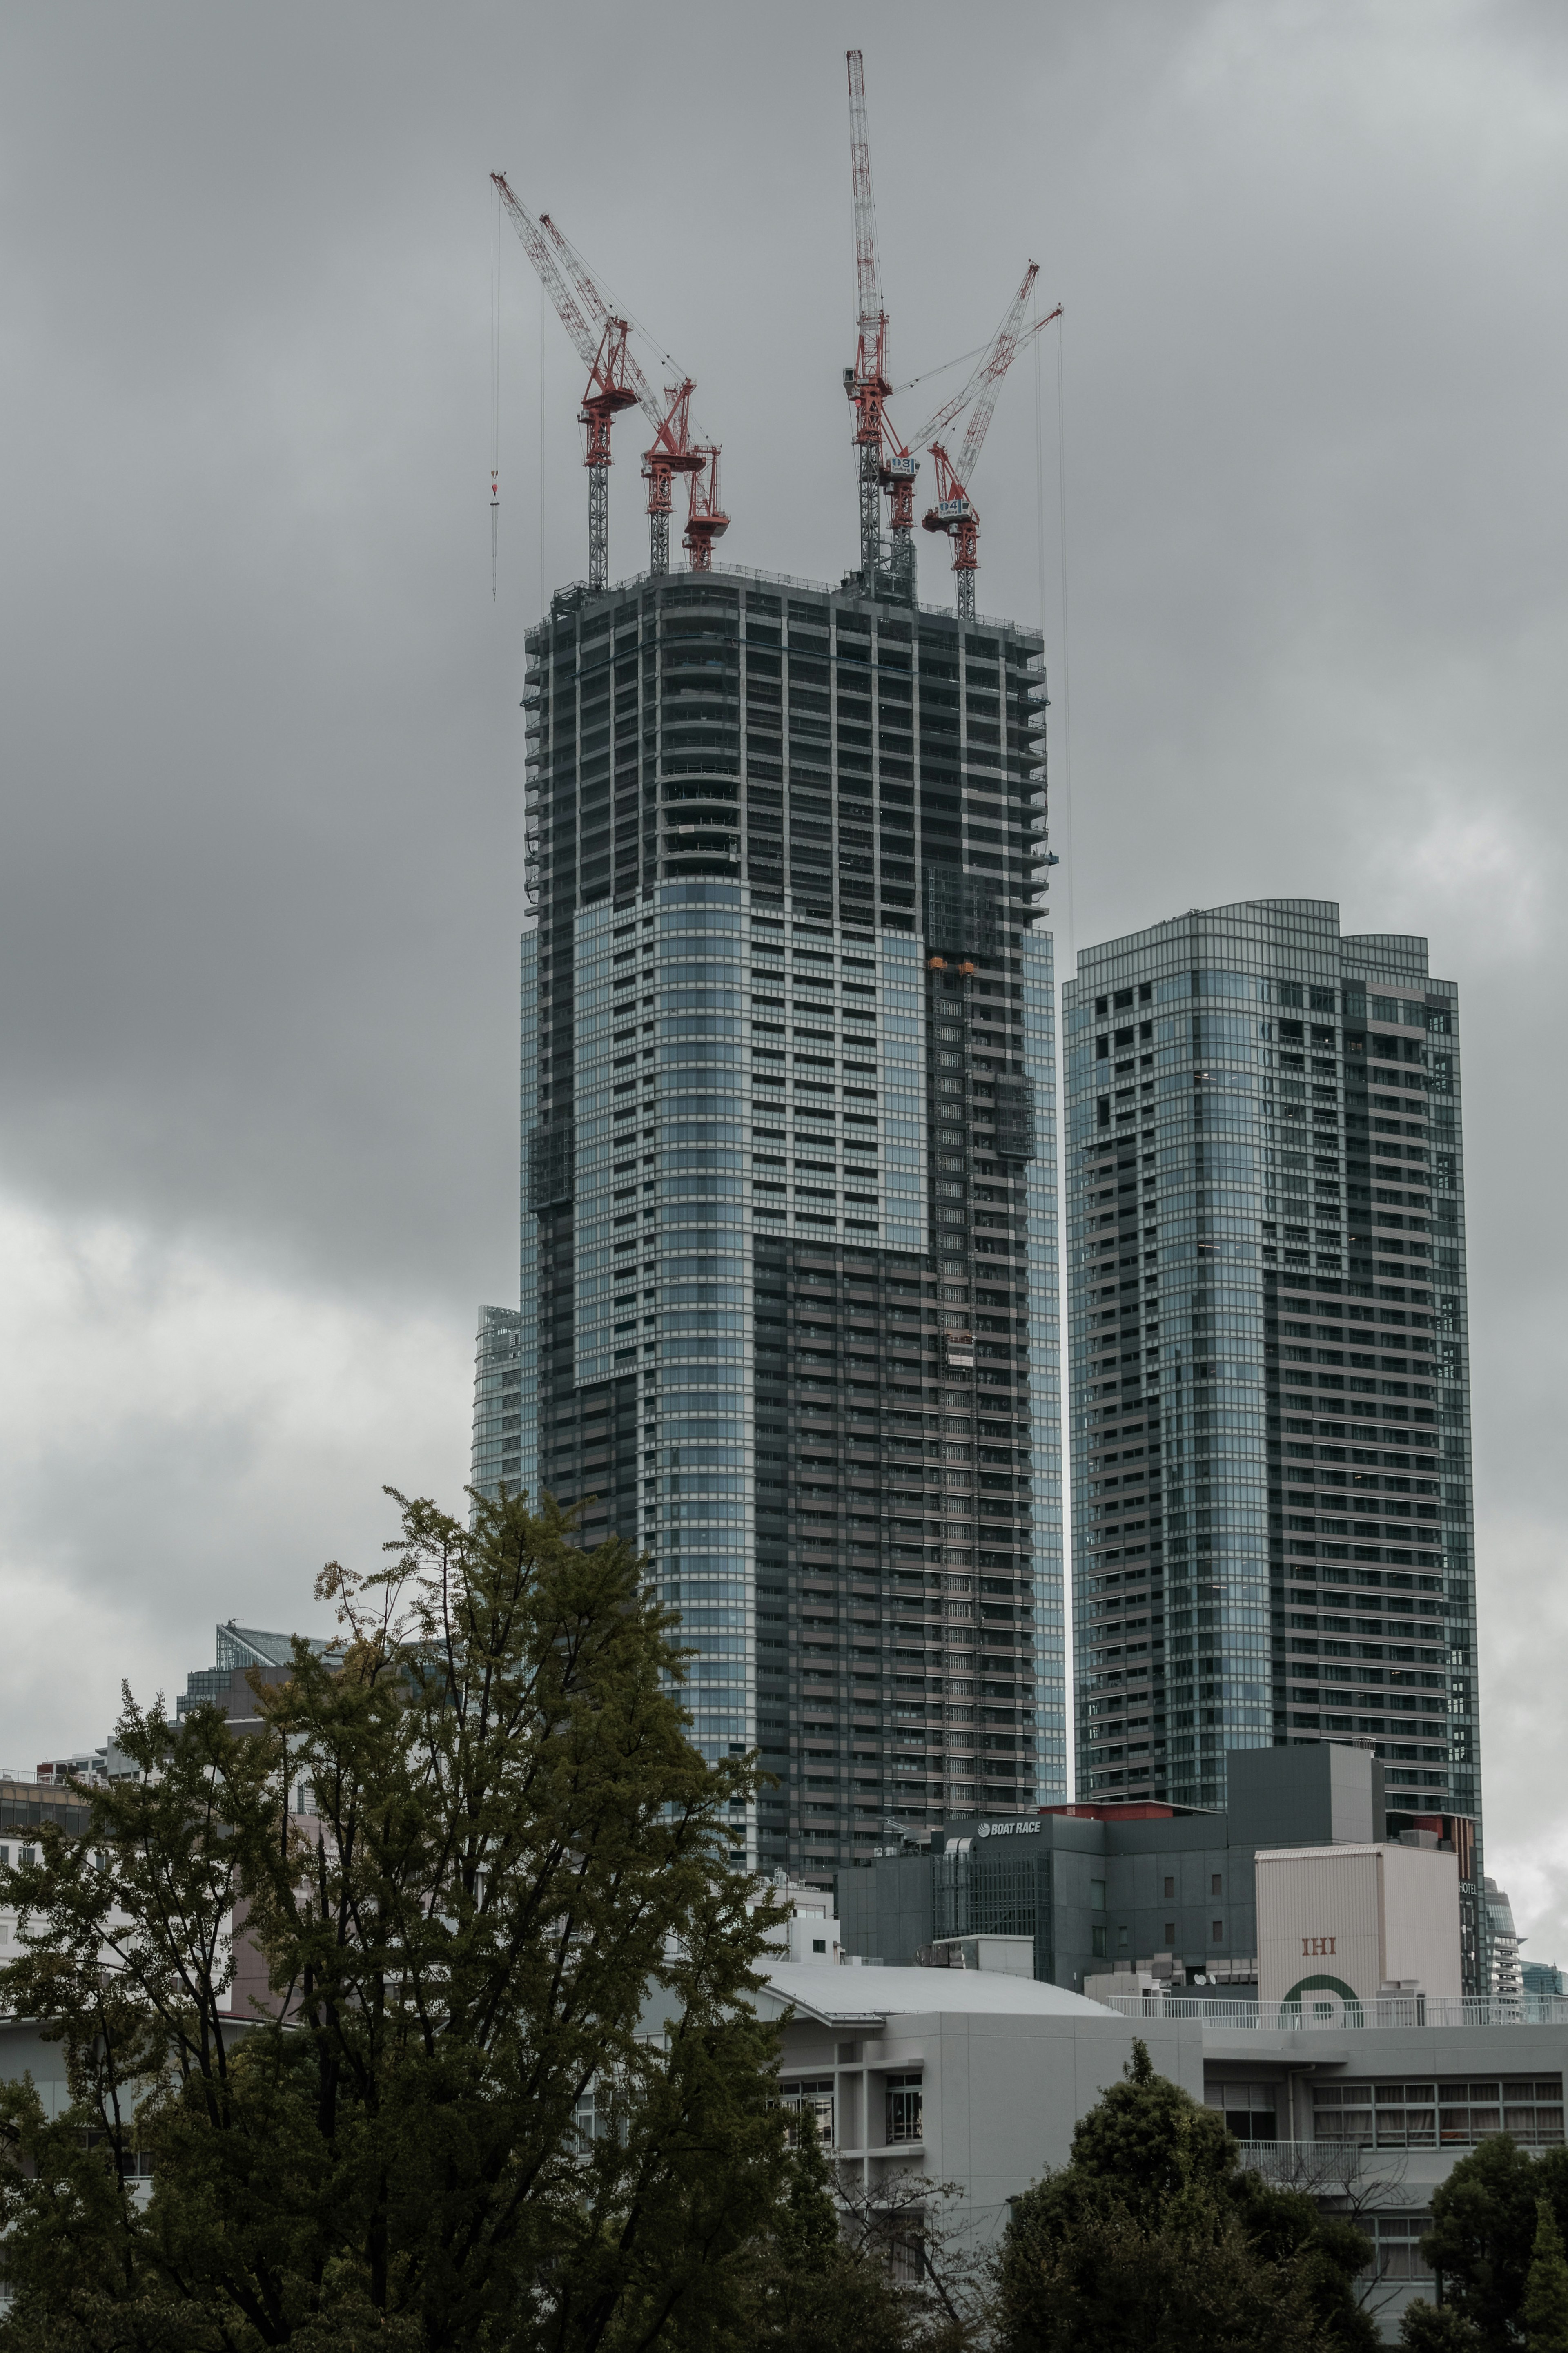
(999, 360)
(866, 382)
(599, 309)
(586, 338)
(987, 366)
(954, 510)
(868, 284)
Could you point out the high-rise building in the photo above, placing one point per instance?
(789, 1303)
(1273, 1537)
(1507, 1967)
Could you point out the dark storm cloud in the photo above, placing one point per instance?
(259, 896)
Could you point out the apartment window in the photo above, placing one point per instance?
(1395, 2245)
(1451, 2113)
(1170, 1934)
(1216, 1932)
(1250, 2110)
(905, 2096)
(1216, 1884)
(1170, 1886)
(814, 2097)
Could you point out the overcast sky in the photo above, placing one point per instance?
(262, 751)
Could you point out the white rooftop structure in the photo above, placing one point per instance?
(868, 1995)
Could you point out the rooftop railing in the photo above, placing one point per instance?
(1337, 2017)
(578, 592)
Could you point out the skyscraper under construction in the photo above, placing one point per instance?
(789, 1305)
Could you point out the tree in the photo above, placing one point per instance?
(1545, 2309)
(813, 2291)
(509, 2093)
(1485, 2220)
(1436, 2329)
(1155, 2235)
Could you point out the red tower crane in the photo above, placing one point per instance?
(615, 382)
(671, 452)
(954, 512)
(884, 463)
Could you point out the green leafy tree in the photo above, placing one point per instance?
(813, 2290)
(1436, 2329)
(1485, 2220)
(508, 2092)
(1545, 2309)
(1155, 2235)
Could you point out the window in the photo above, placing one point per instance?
(1170, 1886)
(1250, 2110)
(1451, 2114)
(1096, 1943)
(815, 2097)
(905, 2108)
(1096, 1895)
(1216, 1932)
(1216, 1884)
(1395, 2245)
(134, 2165)
(1170, 1934)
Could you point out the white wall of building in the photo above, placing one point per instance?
(1339, 1924)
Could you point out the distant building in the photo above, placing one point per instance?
(1542, 1981)
(506, 1422)
(237, 1652)
(1271, 1477)
(1164, 1894)
(85, 1765)
(1507, 1974)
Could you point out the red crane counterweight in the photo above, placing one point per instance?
(670, 454)
(705, 520)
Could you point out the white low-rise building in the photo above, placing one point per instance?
(972, 2077)
(976, 2078)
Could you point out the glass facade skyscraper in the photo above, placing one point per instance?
(789, 1303)
(1273, 1530)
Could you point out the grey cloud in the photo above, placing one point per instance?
(260, 890)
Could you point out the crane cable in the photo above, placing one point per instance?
(1067, 673)
(926, 374)
(495, 385)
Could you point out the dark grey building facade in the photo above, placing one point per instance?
(788, 1315)
(1142, 1886)
(1273, 1531)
